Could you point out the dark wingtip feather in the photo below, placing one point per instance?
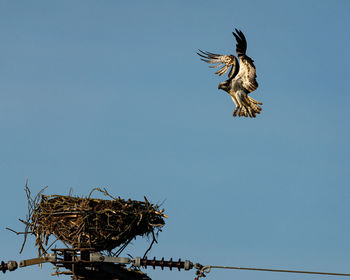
(236, 36)
(240, 33)
(241, 45)
(201, 55)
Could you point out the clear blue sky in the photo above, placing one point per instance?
(112, 94)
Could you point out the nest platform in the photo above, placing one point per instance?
(101, 224)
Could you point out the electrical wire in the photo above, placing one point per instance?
(207, 269)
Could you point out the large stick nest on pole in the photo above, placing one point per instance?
(101, 224)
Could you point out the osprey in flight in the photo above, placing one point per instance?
(241, 78)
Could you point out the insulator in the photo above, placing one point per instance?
(187, 265)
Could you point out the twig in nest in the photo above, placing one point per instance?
(104, 191)
(18, 233)
(154, 240)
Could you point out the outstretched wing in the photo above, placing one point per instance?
(247, 70)
(226, 61)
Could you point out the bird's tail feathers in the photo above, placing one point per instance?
(250, 107)
(254, 104)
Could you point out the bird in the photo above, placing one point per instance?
(241, 77)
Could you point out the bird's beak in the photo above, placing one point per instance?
(222, 86)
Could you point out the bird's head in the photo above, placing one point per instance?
(224, 85)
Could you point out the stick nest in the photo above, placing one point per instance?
(101, 224)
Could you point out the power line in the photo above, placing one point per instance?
(206, 269)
